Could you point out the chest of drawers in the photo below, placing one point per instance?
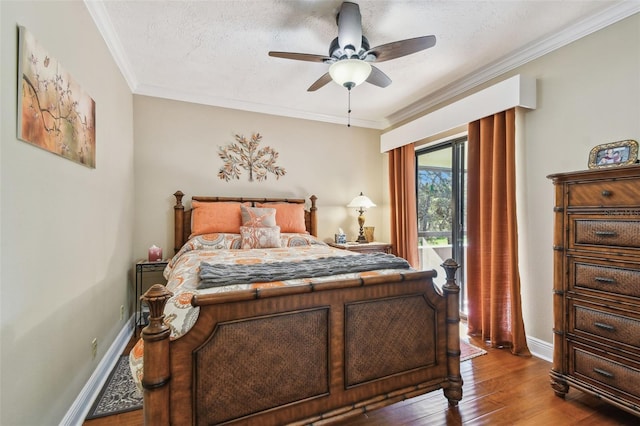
(596, 289)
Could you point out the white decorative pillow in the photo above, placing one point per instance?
(254, 216)
(260, 237)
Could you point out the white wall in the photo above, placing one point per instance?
(66, 230)
(176, 148)
(588, 93)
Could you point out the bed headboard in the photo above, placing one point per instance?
(182, 216)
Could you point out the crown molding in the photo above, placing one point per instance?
(103, 23)
(530, 52)
(199, 98)
(533, 51)
(100, 16)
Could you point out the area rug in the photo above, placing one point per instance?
(119, 393)
(468, 351)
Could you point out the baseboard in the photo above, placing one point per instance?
(540, 348)
(78, 411)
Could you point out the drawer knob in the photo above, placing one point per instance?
(606, 234)
(606, 193)
(603, 373)
(604, 326)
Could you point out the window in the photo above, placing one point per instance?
(441, 199)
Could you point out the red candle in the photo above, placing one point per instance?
(155, 253)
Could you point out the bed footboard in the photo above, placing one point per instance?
(298, 355)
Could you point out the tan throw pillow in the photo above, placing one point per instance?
(259, 217)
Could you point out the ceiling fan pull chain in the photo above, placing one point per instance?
(349, 107)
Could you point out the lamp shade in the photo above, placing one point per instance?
(350, 72)
(361, 201)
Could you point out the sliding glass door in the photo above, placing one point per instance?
(442, 217)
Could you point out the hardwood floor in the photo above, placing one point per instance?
(499, 389)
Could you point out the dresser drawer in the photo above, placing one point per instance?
(618, 328)
(613, 193)
(605, 232)
(607, 276)
(598, 370)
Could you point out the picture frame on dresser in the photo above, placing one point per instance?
(614, 154)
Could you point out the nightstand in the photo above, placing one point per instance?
(373, 247)
(144, 267)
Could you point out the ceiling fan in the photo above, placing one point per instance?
(350, 56)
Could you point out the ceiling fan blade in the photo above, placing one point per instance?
(319, 83)
(300, 56)
(378, 78)
(401, 48)
(350, 27)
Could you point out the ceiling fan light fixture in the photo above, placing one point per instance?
(350, 72)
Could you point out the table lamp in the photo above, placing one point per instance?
(361, 203)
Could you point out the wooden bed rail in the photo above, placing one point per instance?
(262, 293)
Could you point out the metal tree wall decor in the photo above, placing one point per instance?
(244, 153)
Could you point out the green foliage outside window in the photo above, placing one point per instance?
(435, 210)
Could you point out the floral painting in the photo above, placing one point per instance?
(245, 154)
(54, 113)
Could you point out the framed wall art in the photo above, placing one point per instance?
(54, 112)
(614, 154)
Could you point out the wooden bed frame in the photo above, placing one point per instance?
(306, 354)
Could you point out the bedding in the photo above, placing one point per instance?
(216, 274)
(183, 273)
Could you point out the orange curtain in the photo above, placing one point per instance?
(404, 216)
(493, 280)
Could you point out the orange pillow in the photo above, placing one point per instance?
(209, 218)
(289, 216)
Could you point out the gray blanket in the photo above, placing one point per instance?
(215, 275)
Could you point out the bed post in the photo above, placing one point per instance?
(314, 220)
(156, 369)
(451, 290)
(178, 225)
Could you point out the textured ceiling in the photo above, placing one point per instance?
(216, 52)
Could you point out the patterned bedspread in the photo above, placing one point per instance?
(183, 270)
